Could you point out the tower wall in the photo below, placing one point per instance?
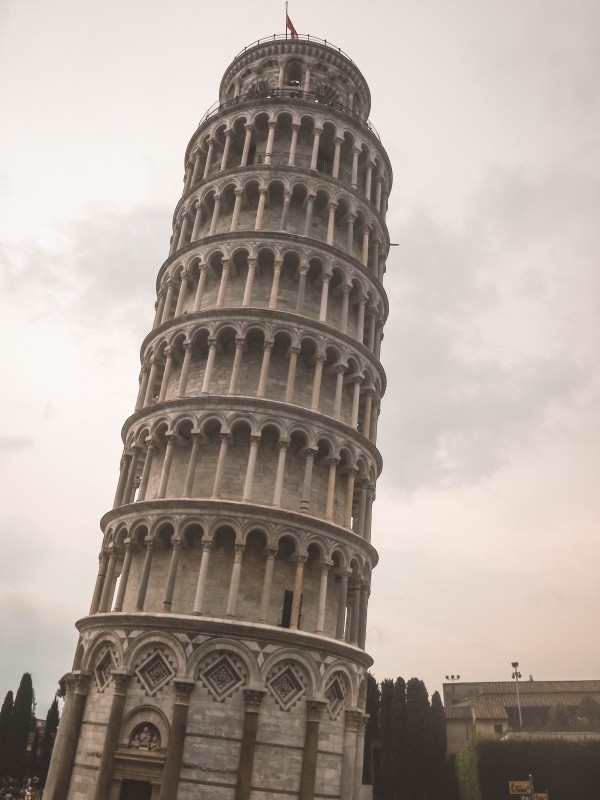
(223, 655)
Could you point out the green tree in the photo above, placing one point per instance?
(417, 737)
(48, 740)
(5, 715)
(399, 749)
(437, 749)
(588, 711)
(371, 759)
(385, 784)
(560, 717)
(20, 726)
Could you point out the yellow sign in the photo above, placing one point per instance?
(540, 796)
(520, 787)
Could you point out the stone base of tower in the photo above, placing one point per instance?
(167, 707)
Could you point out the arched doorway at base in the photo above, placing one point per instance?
(135, 790)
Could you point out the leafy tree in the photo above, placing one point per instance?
(417, 737)
(5, 715)
(437, 749)
(589, 710)
(48, 740)
(20, 725)
(372, 744)
(560, 717)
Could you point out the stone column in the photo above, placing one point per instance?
(310, 202)
(103, 559)
(216, 493)
(105, 600)
(185, 369)
(234, 583)
(250, 469)
(378, 193)
(124, 575)
(355, 155)
(191, 470)
(185, 223)
(352, 719)
(168, 301)
(167, 602)
(143, 386)
(331, 222)
(183, 290)
(143, 585)
(260, 211)
(166, 375)
(215, 216)
(160, 306)
(368, 512)
(349, 496)
(325, 567)
(342, 602)
(291, 376)
(235, 217)
(201, 585)
(306, 84)
(150, 452)
(362, 625)
(280, 76)
(210, 362)
(265, 601)
(335, 171)
(131, 474)
(166, 467)
(359, 756)
(280, 473)
(247, 143)
(199, 288)
(362, 504)
(360, 325)
(316, 390)
(253, 699)
(365, 246)
(297, 598)
(123, 472)
(355, 616)
(225, 155)
(324, 297)
(355, 403)
(67, 737)
(366, 426)
(237, 363)
(285, 212)
(350, 233)
(249, 282)
(151, 381)
(197, 221)
(301, 287)
(315, 148)
(345, 306)
(174, 757)
(307, 484)
(223, 283)
(339, 385)
(368, 179)
(329, 502)
(275, 284)
(264, 369)
(308, 773)
(111, 736)
(209, 158)
(196, 169)
(293, 145)
(270, 140)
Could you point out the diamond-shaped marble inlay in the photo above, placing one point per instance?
(286, 687)
(103, 670)
(335, 697)
(221, 678)
(154, 673)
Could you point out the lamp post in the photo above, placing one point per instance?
(516, 675)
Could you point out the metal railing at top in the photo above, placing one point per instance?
(287, 93)
(304, 37)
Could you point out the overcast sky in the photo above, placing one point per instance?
(487, 512)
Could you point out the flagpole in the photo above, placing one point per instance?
(286, 18)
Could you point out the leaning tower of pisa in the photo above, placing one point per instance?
(224, 652)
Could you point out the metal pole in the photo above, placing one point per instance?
(516, 675)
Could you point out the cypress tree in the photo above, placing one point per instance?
(386, 762)
(399, 753)
(20, 725)
(48, 740)
(437, 749)
(5, 715)
(371, 759)
(417, 737)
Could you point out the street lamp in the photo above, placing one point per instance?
(516, 675)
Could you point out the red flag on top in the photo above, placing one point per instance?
(290, 27)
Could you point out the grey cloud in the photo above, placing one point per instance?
(11, 443)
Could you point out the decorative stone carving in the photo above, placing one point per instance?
(287, 686)
(155, 673)
(104, 667)
(336, 697)
(222, 678)
(145, 737)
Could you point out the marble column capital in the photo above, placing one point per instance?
(314, 710)
(253, 699)
(352, 720)
(183, 689)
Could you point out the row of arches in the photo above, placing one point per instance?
(279, 281)
(235, 457)
(283, 204)
(304, 141)
(246, 575)
(249, 361)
